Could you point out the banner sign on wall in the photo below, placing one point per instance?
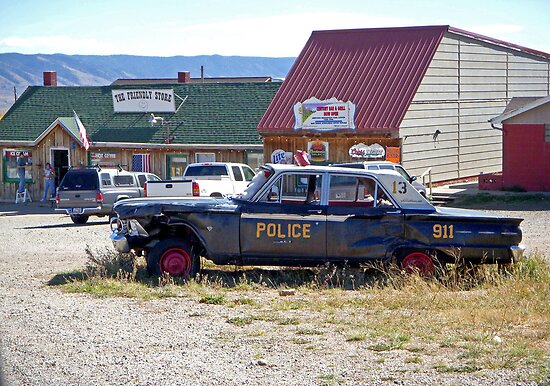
(374, 151)
(393, 154)
(105, 158)
(324, 115)
(318, 151)
(144, 101)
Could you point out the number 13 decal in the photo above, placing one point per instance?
(399, 187)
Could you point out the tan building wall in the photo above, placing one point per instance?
(467, 83)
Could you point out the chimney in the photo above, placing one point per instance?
(50, 78)
(184, 77)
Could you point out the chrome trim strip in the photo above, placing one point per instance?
(464, 232)
(486, 233)
(509, 233)
(287, 217)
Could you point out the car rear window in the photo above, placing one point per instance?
(206, 170)
(80, 180)
(124, 180)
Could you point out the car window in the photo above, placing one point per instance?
(248, 173)
(152, 177)
(105, 179)
(80, 180)
(237, 173)
(141, 179)
(403, 172)
(123, 180)
(387, 167)
(372, 167)
(206, 170)
(356, 191)
(295, 188)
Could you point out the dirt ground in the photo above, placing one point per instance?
(50, 338)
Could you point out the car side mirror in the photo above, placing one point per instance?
(413, 178)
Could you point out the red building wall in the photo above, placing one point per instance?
(525, 157)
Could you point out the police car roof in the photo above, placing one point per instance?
(329, 169)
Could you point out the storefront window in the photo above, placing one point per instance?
(254, 159)
(175, 165)
(10, 164)
(205, 157)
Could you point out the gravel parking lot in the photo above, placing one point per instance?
(50, 338)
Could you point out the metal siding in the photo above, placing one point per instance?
(383, 69)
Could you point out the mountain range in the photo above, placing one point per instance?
(21, 71)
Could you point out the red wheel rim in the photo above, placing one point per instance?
(176, 262)
(418, 262)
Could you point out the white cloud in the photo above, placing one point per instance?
(54, 44)
(271, 36)
(281, 35)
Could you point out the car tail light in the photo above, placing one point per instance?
(145, 189)
(57, 198)
(196, 190)
(99, 197)
(267, 173)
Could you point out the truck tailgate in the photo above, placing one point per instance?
(77, 199)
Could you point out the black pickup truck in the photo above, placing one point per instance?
(307, 216)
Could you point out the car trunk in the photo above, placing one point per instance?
(78, 190)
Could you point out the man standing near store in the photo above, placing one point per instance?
(21, 163)
(49, 182)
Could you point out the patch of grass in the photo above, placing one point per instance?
(212, 299)
(442, 368)
(356, 338)
(330, 379)
(460, 311)
(309, 331)
(413, 359)
(486, 198)
(240, 321)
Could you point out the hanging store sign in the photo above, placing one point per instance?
(361, 150)
(324, 115)
(318, 151)
(144, 101)
(105, 158)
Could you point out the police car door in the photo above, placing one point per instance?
(362, 221)
(287, 224)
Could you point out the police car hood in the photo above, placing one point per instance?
(155, 206)
(475, 214)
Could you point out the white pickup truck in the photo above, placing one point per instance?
(208, 179)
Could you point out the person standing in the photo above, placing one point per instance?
(49, 182)
(21, 163)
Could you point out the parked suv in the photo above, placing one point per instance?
(86, 192)
(386, 165)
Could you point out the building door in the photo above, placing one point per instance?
(60, 163)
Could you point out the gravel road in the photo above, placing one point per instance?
(52, 338)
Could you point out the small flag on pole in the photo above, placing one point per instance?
(82, 131)
(141, 163)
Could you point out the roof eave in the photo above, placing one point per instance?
(510, 114)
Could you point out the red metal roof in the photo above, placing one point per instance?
(377, 69)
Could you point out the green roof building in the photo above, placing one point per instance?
(174, 124)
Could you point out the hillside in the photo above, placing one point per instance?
(92, 70)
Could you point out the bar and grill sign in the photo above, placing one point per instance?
(324, 115)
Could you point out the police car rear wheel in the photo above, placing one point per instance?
(418, 262)
(174, 257)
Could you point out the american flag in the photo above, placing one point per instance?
(141, 163)
(82, 130)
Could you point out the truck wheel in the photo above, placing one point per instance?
(420, 262)
(79, 218)
(175, 257)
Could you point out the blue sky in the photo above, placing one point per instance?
(248, 28)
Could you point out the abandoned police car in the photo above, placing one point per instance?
(306, 216)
